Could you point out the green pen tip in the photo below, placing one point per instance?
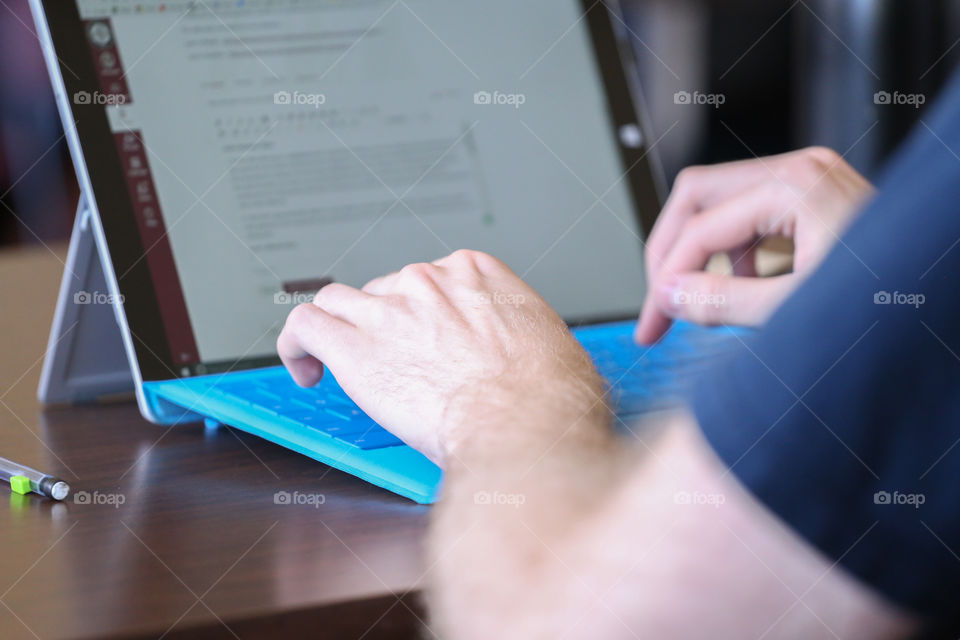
(20, 484)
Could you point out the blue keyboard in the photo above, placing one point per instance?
(644, 379)
(325, 408)
(639, 380)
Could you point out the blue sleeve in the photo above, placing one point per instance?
(842, 414)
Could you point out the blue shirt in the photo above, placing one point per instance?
(842, 414)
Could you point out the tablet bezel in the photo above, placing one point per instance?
(101, 163)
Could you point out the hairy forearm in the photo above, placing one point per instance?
(515, 492)
(593, 538)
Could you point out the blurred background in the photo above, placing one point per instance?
(790, 73)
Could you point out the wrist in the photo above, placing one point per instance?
(517, 418)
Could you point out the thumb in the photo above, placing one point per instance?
(712, 299)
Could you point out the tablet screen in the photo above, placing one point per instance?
(269, 146)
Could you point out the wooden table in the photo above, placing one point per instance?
(186, 539)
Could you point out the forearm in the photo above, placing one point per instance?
(658, 543)
(516, 490)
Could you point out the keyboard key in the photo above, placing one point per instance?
(261, 391)
(378, 438)
(337, 414)
(340, 429)
(306, 406)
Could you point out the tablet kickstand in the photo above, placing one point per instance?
(85, 359)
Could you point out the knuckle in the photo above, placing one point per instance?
(489, 263)
(687, 180)
(824, 155)
(324, 294)
(812, 165)
(811, 171)
(330, 290)
(689, 175)
(476, 260)
(467, 256)
(298, 316)
(420, 271)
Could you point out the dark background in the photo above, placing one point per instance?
(791, 73)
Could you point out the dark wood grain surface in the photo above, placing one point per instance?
(181, 536)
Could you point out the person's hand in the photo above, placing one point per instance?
(429, 351)
(809, 196)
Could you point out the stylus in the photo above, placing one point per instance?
(24, 480)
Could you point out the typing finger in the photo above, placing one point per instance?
(733, 224)
(310, 337)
